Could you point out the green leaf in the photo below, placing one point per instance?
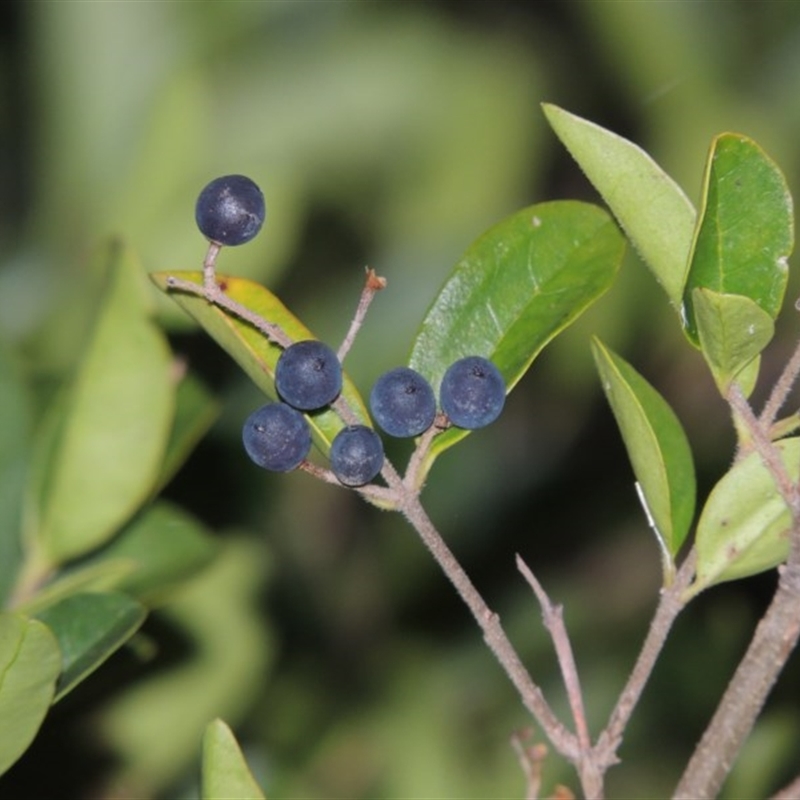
(107, 453)
(195, 411)
(89, 628)
(160, 549)
(225, 774)
(99, 576)
(651, 208)
(29, 666)
(745, 232)
(516, 287)
(15, 434)
(733, 331)
(165, 546)
(657, 447)
(250, 349)
(744, 527)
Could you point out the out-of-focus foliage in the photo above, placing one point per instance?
(388, 134)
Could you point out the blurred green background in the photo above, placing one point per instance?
(388, 134)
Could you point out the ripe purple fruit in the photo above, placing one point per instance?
(230, 210)
(402, 402)
(277, 437)
(356, 455)
(472, 392)
(308, 375)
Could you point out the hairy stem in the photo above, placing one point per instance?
(764, 447)
(214, 295)
(781, 390)
(774, 639)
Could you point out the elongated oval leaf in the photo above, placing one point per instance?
(651, 208)
(733, 330)
(657, 447)
(250, 349)
(225, 774)
(166, 546)
(161, 548)
(89, 627)
(106, 457)
(94, 576)
(29, 666)
(518, 286)
(744, 526)
(745, 232)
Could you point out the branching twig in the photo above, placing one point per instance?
(764, 447)
(531, 759)
(553, 617)
(563, 740)
(782, 388)
(411, 479)
(774, 639)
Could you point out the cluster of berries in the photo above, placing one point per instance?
(308, 377)
(308, 374)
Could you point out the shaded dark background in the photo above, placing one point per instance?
(390, 134)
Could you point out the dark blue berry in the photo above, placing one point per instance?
(276, 437)
(472, 393)
(356, 455)
(230, 210)
(308, 375)
(402, 402)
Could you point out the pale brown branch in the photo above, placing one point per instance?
(765, 448)
(531, 758)
(553, 617)
(373, 284)
(781, 389)
(214, 295)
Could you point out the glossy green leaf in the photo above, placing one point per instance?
(107, 453)
(29, 666)
(657, 447)
(745, 232)
(195, 411)
(250, 349)
(89, 627)
(225, 774)
(652, 209)
(518, 286)
(733, 330)
(744, 526)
